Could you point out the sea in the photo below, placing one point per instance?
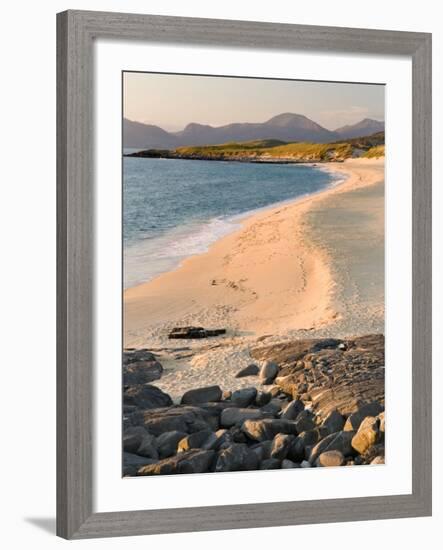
(173, 209)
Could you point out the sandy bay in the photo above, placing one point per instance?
(313, 267)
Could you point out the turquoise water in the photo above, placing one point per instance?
(173, 209)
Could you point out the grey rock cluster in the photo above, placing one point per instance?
(266, 426)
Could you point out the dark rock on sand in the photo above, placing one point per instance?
(202, 395)
(190, 462)
(250, 370)
(146, 397)
(268, 372)
(141, 372)
(184, 333)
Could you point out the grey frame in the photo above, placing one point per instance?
(76, 31)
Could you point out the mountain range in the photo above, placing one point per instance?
(286, 127)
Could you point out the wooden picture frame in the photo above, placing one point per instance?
(76, 32)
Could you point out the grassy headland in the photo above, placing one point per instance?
(273, 150)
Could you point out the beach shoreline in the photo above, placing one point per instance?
(284, 274)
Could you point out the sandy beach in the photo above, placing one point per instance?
(313, 267)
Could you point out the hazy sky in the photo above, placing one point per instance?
(172, 101)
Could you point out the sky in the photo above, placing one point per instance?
(172, 101)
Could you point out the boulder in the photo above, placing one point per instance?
(305, 421)
(235, 416)
(148, 447)
(263, 398)
(268, 372)
(141, 372)
(355, 419)
(194, 441)
(202, 395)
(181, 418)
(330, 458)
(146, 396)
(270, 464)
(137, 355)
(267, 428)
(132, 438)
(250, 370)
(167, 443)
(298, 449)
(217, 439)
(236, 457)
(281, 445)
(334, 422)
(273, 407)
(367, 434)
(292, 410)
(262, 450)
(244, 397)
(340, 441)
(189, 462)
(132, 463)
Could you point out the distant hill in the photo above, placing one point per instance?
(365, 127)
(288, 127)
(285, 127)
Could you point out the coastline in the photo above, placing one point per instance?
(283, 274)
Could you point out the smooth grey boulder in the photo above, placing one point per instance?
(236, 416)
(189, 462)
(334, 422)
(217, 439)
(287, 464)
(236, 457)
(305, 440)
(244, 397)
(132, 437)
(273, 407)
(132, 463)
(268, 372)
(181, 418)
(148, 447)
(292, 410)
(281, 445)
(267, 428)
(194, 441)
(262, 450)
(167, 443)
(263, 398)
(341, 441)
(146, 396)
(305, 421)
(250, 370)
(202, 395)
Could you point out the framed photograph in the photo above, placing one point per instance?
(244, 274)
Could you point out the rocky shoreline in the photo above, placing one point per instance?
(311, 403)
